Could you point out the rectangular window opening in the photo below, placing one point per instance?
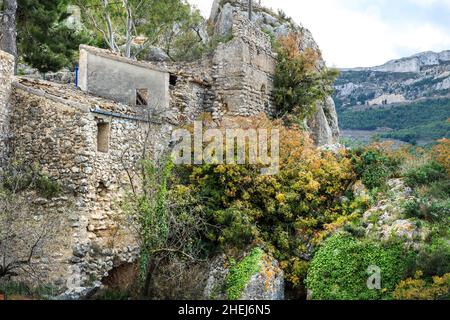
(173, 80)
(103, 137)
(142, 97)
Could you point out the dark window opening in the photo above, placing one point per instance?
(173, 80)
(142, 97)
(263, 91)
(103, 137)
(101, 188)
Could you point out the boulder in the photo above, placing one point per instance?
(224, 20)
(156, 54)
(386, 221)
(265, 284)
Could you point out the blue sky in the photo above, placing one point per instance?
(354, 33)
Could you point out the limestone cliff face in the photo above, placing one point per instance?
(413, 64)
(324, 125)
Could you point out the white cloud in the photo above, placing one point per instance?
(351, 37)
(429, 3)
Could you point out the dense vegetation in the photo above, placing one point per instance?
(47, 42)
(299, 83)
(427, 132)
(292, 216)
(339, 270)
(427, 120)
(44, 40)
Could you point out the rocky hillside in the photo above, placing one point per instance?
(422, 76)
(406, 99)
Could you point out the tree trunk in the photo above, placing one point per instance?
(8, 32)
(250, 9)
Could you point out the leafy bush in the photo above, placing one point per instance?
(375, 166)
(241, 273)
(438, 190)
(418, 289)
(167, 228)
(339, 269)
(299, 86)
(20, 177)
(434, 260)
(288, 213)
(47, 187)
(426, 174)
(441, 153)
(427, 209)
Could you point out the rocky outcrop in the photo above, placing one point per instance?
(324, 124)
(415, 63)
(265, 284)
(385, 221)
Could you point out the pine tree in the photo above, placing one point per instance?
(44, 41)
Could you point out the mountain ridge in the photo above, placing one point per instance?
(413, 63)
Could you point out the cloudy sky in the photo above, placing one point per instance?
(360, 33)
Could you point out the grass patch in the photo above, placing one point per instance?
(241, 273)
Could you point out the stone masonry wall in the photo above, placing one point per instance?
(6, 77)
(191, 91)
(243, 72)
(108, 75)
(60, 134)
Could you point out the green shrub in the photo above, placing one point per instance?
(355, 229)
(439, 189)
(374, 167)
(427, 209)
(47, 187)
(241, 273)
(425, 174)
(434, 260)
(339, 269)
(298, 84)
(112, 294)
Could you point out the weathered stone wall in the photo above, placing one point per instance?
(6, 77)
(235, 80)
(60, 134)
(243, 72)
(191, 92)
(227, 15)
(110, 76)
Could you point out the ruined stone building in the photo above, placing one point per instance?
(88, 138)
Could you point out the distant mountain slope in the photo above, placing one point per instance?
(411, 96)
(419, 122)
(425, 75)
